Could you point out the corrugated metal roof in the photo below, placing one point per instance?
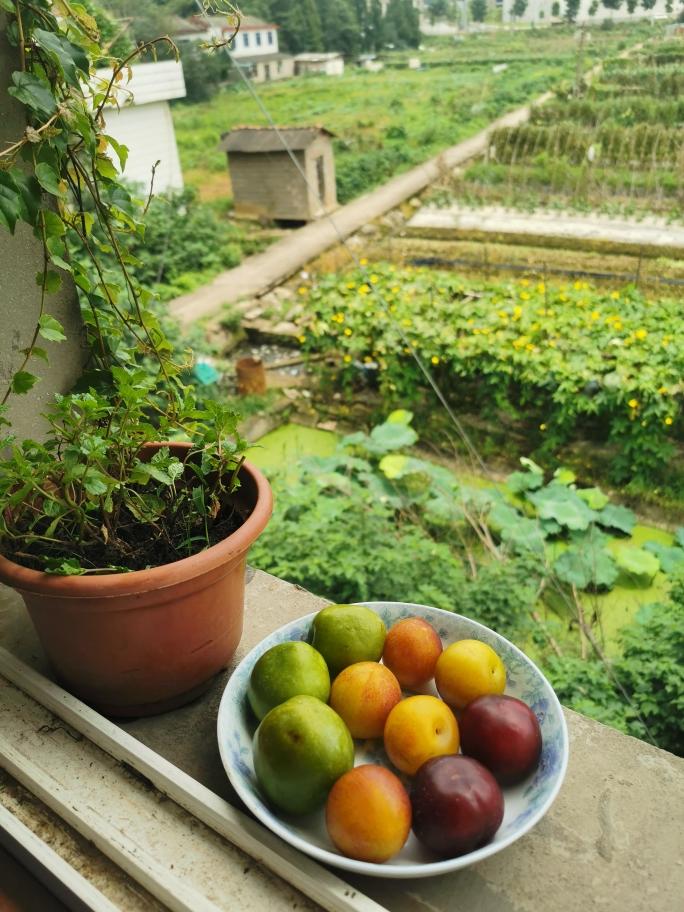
(225, 24)
(149, 82)
(262, 58)
(266, 139)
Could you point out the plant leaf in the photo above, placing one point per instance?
(670, 557)
(638, 563)
(48, 178)
(617, 518)
(22, 382)
(50, 329)
(594, 498)
(33, 92)
(562, 504)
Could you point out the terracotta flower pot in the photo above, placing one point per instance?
(140, 643)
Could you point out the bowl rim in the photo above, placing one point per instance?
(328, 856)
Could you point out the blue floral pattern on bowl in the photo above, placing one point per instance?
(525, 804)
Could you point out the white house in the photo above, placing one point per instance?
(543, 12)
(255, 37)
(141, 120)
(330, 64)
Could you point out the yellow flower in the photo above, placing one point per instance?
(351, 285)
(577, 286)
(564, 297)
(395, 289)
(529, 347)
(347, 359)
(662, 390)
(363, 261)
(524, 296)
(665, 341)
(374, 280)
(617, 325)
(347, 332)
(517, 311)
(524, 282)
(640, 334)
(503, 315)
(541, 288)
(364, 289)
(302, 290)
(367, 359)
(542, 427)
(615, 295)
(434, 359)
(339, 318)
(595, 315)
(668, 421)
(406, 322)
(633, 403)
(407, 351)
(301, 339)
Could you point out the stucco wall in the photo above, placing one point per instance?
(268, 185)
(20, 260)
(541, 12)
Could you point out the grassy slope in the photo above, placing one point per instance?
(454, 97)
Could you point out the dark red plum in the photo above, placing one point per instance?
(504, 735)
(457, 805)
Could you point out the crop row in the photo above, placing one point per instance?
(643, 146)
(626, 111)
(666, 86)
(570, 361)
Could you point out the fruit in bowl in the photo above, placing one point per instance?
(502, 733)
(364, 694)
(417, 729)
(345, 634)
(368, 813)
(457, 805)
(468, 669)
(300, 749)
(411, 651)
(285, 671)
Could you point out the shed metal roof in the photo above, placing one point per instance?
(149, 82)
(266, 139)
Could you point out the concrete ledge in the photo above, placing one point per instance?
(612, 841)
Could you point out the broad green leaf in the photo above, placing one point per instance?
(70, 57)
(54, 226)
(22, 382)
(531, 465)
(48, 178)
(33, 92)
(586, 566)
(400, 416)
(562, 504)
(638, 563)
(564, 476)
(393, 465)
(105, 167)
(520, 482)
(387, 437)
(51, 329)
(594, 498)
(95, 483)
(679, 536)
(617, 518)
(10, 202)
(670, 557)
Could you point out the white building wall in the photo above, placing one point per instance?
(254, 42)
(148, 132)
(539, 12)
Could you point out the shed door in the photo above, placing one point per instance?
(320, 177)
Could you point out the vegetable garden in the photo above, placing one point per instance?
(615, 144)
(566, 361)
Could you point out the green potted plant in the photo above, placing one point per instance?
(129, 552)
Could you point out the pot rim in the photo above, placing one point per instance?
(138, 582)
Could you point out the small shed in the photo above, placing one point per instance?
(329, 64)
(266, 182)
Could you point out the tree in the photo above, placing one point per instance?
(340, 27)
(478, 10)
(571, 10)
(518, 9)
(555, 9)
(401, 25)
(593, 9)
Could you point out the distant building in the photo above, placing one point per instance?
(331, 64)
(254, 38)
(540, 12)
(265, 181)
(142, 122)
(254, 48)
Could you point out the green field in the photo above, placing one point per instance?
(386, 122)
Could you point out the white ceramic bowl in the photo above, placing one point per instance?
(525, 804)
